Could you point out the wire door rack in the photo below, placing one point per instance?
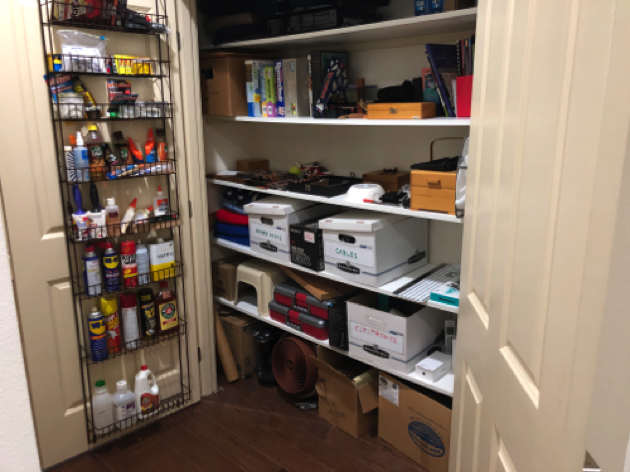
(122, 112)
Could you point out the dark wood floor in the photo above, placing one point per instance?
(243, 428)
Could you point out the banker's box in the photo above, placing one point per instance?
(391, 341)
(415, 421)
(223, 77)
(348, 392)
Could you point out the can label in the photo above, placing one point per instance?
(148, 402)
(148, 312)
(111, 267)
(98, 338)
(168, 315)
(92, 275)
(129, 269)
(113, 332)
(130, 325)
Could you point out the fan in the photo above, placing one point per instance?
(293, 367)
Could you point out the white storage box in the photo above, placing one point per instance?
(434, 367)
(269, 222)
(391, 341)
(373, 248)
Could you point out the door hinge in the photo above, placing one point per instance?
(189, 209)
(199, 353)
(179, 42)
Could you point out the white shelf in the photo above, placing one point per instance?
(439, 121)
(387, 289)
(342, 200)
(248, 306)
(449, 22)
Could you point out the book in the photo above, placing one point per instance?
(443, 61)
(256, 89)
(249, 88)
(429, 90)
(270, 90)
(279, 76)
(320, 62)
(311, 104)
(263, 86)
(296, 87)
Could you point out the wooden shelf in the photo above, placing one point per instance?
(387, 289)
(248, 306)
(439, 121)
(342, 201)
(449, 22)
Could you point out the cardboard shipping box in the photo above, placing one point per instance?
(239, 331)
(348, 392)
(224, 276)
(416, 424)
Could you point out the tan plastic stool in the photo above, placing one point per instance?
(263, 276)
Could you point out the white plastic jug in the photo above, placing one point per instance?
(124, 405)
(147, 393)
(102, 409)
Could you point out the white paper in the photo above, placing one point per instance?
(388, 390)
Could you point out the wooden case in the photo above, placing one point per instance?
(390, 181)
(401, 111)
(433, 191)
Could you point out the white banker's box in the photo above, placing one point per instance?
(392, 341)
(269, 221)
(373, 248)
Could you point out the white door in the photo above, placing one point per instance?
(549, 132)
(35, 227)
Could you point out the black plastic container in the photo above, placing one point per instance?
(327, 186)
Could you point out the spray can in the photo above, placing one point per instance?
(97, 330)
(128, 263)
(128, 309)
(147, 313)
(109, 307)
(91, 272)
(111, 268)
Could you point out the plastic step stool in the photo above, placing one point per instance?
(263, 276)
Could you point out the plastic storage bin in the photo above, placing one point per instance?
(308, 324)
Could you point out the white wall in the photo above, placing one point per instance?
(18, 446)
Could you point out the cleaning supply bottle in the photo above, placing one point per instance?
(91, 272)
(68, 155)
(111, 268)
(112, 217)
(81, 161)
(102, 409)
(160, 203)
(141, 220)
(162, 259)
(129, 215)
(135, 153)
(98, 223)
(124, 401)
(149, 147)
(166, 307)
(142, 260)
(147, 393)
(122, 148)
(128, 263)
(96, 158)
(147, 313)
(162, 147)
(80, 219)
(129, 312)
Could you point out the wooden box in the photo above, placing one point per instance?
(433, 191)
(390, 181)
(401, 111)
(249, 165)
(223, 77)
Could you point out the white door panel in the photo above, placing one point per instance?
(543, 190)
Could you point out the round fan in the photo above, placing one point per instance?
(293, 367)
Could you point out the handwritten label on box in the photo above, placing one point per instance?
(268, 233)
(373, 336)
(350, 253)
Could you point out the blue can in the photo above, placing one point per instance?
(111, 269)
(97, 331)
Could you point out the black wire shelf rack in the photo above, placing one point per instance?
(81, 111)
(99, 234)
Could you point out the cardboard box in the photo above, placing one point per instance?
(269, 222)
(390, 181)
(249, 165)
(307, 245)
(223, 83)
(224, 276)
(392, 341)
(239, 331)
(417, 424)
(348, 392)
(373, 248)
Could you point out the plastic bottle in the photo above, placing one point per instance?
(124, 401)
(91, 272)
(102, 409)
(149, 147)
(98, 223)
(147, 395)
(160, 203)
(142, 260)
(81, 160)
(166, 308)
(96, 158)
(112, 217)
(122, 148)
(162, 147)
(128, 218)
(129, 311)
(141, 220)
(80, 219)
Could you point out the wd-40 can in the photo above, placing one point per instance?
(97, 331)
(111, 269)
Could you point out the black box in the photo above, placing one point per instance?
(307, 245)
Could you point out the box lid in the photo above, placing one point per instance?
(276, 206)
(434, 361)
(360, 221)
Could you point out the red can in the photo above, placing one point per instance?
(128, 263)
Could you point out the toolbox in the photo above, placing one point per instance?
(308, 324)
(292, 295)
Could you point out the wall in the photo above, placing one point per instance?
(18, 446)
